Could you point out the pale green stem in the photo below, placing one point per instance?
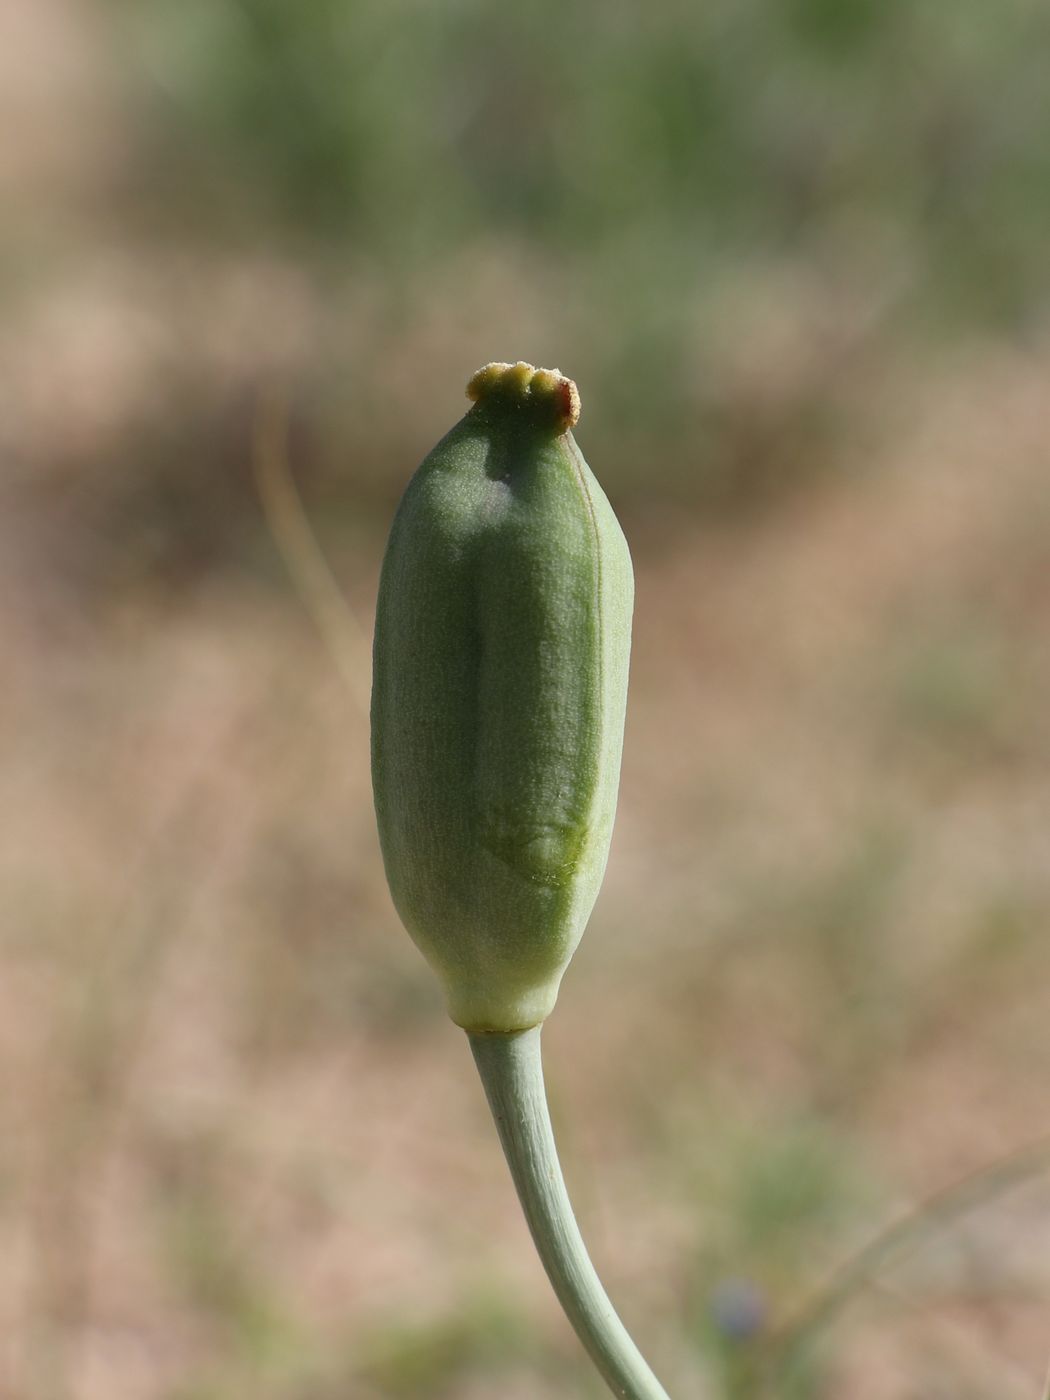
(512, 1073)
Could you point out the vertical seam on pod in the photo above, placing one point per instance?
(578, 465)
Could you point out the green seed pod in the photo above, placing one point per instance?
(499, 688)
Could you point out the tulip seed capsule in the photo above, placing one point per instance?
(500, 683)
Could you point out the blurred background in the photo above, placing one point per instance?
(796, 256)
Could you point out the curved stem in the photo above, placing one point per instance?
(512, 1073)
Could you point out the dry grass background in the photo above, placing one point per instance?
(241, 1148)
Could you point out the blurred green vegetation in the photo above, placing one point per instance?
(648, 147)
(721, 219)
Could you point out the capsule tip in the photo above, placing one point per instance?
(521, 384)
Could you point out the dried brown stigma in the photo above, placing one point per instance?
(551, 394)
